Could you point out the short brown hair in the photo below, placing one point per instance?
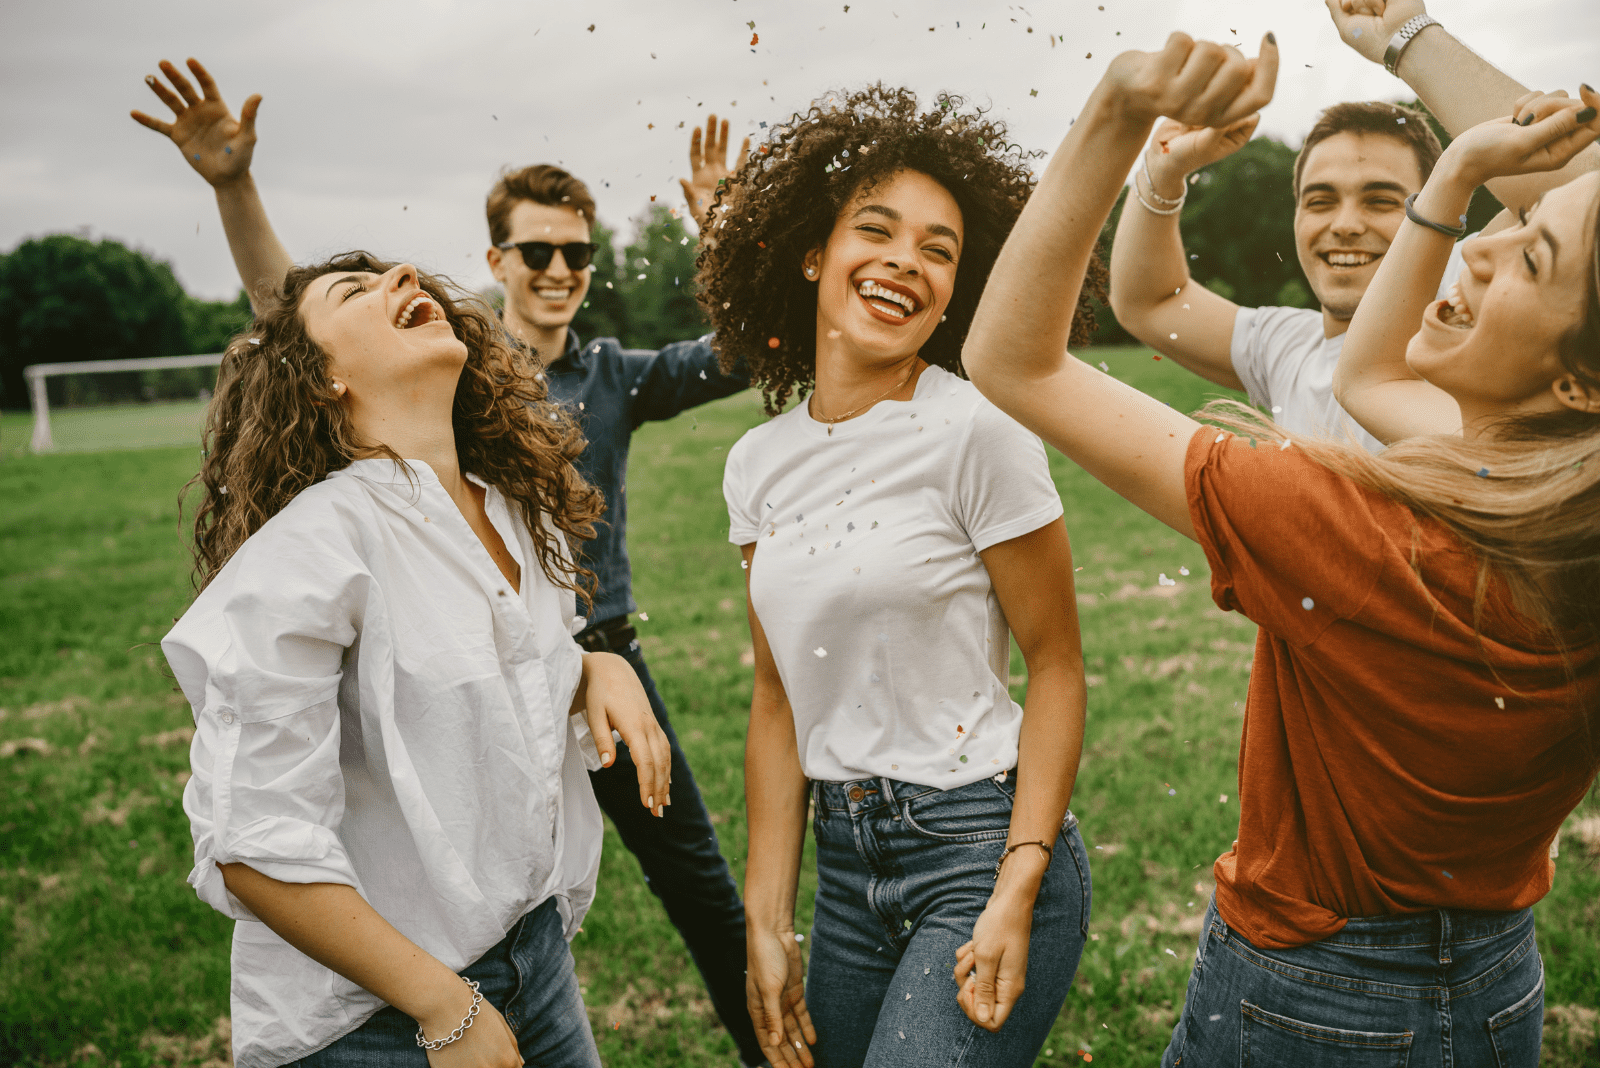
(540, 183)
(1406, 125)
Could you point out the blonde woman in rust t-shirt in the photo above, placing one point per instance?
(1422, 708)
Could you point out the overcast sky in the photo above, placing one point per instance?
(384, 123)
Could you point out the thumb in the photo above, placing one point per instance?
(247, 115)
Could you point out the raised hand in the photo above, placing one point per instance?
(775, 995)
(1368, 25)
(1177, 150)
(213, 142)
(1543, 133)
(708, 166)
(1197, 83)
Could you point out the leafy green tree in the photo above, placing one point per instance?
(64, 299)
(658, 282)
(209, 324)
(605, 309)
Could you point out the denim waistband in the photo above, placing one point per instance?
(864, 796)
(1440, 927)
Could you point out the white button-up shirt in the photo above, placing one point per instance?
(376, 706)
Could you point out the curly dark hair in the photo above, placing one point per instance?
(275, 427)
(786, 198)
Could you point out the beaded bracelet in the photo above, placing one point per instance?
(1048, 855)
(1151, 208)
(459, 1032)
(1457, 232)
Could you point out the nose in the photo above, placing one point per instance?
(558, 264)
(1480, 253)
(1349, 219)
(401, 275)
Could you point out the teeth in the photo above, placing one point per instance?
(1350, 259)
(556, 295)
(873, 289)
(1460, 314)
(405, 314)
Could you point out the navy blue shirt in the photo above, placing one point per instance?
(614, 390)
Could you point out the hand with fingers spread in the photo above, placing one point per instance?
(1368, 25)
(612, 699)
(1543, 133)
(708, 167)
(775, 993)
(213, 142)
(1197, 83)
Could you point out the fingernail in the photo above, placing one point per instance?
(1586, 87)
(1272, 38)
(650, 802)
(1526, 119)
(605, 760)
(1586, 115)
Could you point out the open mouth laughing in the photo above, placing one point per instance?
(888, 301)
(1454, 312)
(419, 311)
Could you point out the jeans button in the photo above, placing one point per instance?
(856, 793)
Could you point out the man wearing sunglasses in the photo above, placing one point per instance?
(539, 224)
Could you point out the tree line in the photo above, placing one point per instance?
(64, 298)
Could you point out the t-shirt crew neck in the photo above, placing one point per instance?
(868, 583)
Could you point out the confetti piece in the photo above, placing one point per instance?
(227, 150)
(755, 38)
(1105, 367)
(1220, 437)
(1164, 581)
(1500, 702)
(1483, 472)
(772, 342)
(1171, 954)
(1307, 603)
(1033, 92)
(1214, 1017)
(1447, 875)
(799, 938)
(645, 616)
(1223, 800)
(1172, 337)
(591, 27)
(1171, 792)
(1183, 571)
(819, 652)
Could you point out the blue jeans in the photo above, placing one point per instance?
(1443, 989)
(685, 869)
(528, 976)
(903, 873)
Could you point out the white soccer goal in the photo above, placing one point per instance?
(36, 375)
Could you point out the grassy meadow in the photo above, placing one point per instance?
(107, 957)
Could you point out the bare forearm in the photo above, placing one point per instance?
(337, 928)
(1049, 748)
(1016, 338)
(259, 256)
(775, 808)
(1147, 258)
(1462, 89)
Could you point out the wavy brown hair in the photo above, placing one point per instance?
(275, 427)
(785, 200)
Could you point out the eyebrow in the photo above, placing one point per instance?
(1370, 187)
(346, 278)
(889, 213)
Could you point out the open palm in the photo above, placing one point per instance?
(218, 146)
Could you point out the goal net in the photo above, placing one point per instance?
(119, 404)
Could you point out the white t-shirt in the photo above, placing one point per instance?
(1287, 365)
(886, 631)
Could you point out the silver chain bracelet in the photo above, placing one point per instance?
(456, 1035)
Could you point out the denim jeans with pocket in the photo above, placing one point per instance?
(1442, 989)
(528, 976)
(903, 873)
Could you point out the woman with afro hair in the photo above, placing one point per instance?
(894, 526)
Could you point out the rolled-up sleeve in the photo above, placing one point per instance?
(259, 656)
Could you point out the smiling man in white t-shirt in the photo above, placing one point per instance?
(1358, 164)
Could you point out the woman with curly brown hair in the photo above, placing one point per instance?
(894, 525)
(392, 718)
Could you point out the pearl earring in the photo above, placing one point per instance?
(811, 272)
(942, 318)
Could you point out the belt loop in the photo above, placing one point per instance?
(1444, 936)
(884, 783)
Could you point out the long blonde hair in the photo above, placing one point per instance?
(275, 427)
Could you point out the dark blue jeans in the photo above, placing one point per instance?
(1443, 989)
(528, 976)
(685, 869)
(903, 873)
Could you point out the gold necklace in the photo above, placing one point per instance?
(841, 418)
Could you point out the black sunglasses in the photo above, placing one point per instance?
(537, 254)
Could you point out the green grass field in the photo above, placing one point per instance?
(106, 956)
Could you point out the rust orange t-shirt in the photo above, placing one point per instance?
(1378, 771)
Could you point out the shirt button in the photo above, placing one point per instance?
(227, 717)
(856, 793)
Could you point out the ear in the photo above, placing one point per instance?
(1573, 394)
(811, 264)
(496, 260)
(338, 389)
